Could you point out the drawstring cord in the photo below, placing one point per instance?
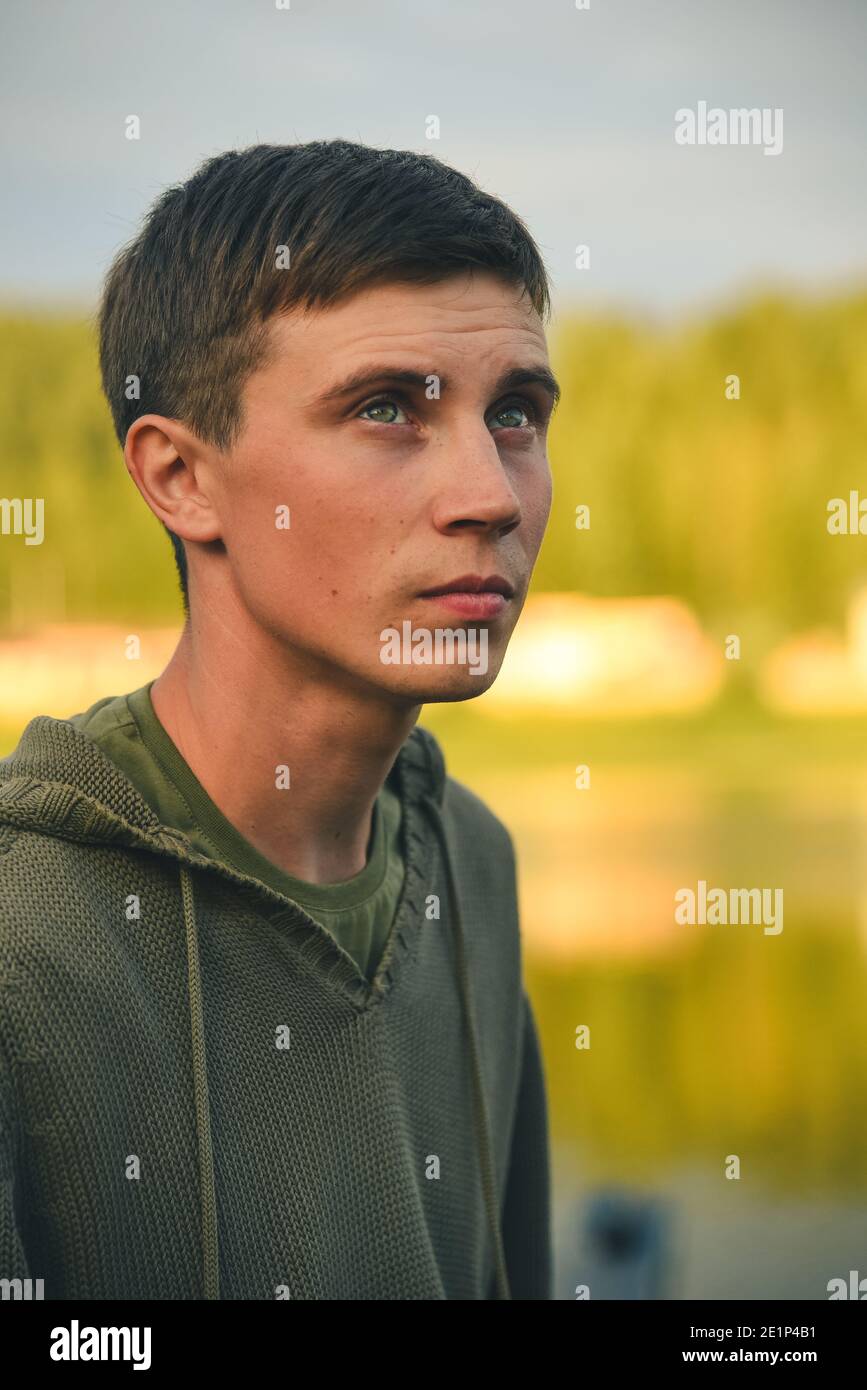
(210, 1252)
(489, 1182)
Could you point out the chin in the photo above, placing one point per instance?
(441, 685)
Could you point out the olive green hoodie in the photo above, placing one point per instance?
(201, 1096)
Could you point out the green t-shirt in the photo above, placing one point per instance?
(358, 911)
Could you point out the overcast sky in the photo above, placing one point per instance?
(567, 115)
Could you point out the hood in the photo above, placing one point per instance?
(58, 782)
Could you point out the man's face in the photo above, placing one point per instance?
(393, 492)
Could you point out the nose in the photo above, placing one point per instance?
(473, 490)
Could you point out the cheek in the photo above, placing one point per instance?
(301, 549)
(535, 496)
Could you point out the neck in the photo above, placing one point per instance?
(241, 709)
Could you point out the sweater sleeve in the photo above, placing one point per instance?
(526, 1214)
(13, 1260)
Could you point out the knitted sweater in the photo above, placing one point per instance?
(201, 1096)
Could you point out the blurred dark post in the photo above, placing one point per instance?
(623, 1246)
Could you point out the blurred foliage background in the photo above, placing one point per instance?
(705, 1041)
(721, 502)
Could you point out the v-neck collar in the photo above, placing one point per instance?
(59, 781)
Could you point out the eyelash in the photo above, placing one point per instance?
(527, 405)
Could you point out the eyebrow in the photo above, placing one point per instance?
(368, 377)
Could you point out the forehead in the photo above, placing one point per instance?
(471, 318)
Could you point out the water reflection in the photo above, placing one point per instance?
(707, 1043)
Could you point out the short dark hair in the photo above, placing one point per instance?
(185, 303)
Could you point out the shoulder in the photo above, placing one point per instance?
(42, 885)
(59, 898)
(475, 822)
(478, 835)
(19, 874)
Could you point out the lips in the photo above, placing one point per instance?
(472, 584)
(471, 595)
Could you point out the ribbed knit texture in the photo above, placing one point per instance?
(154, 1140)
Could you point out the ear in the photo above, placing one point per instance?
(172, 468)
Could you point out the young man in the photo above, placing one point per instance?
(263, 1028)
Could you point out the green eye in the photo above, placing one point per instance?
(383, 405)
(513, 410)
